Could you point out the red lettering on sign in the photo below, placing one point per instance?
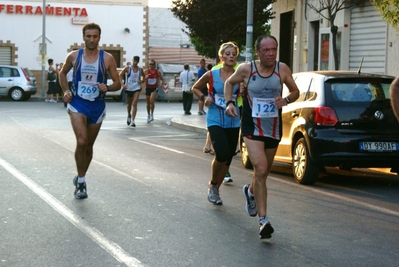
(28, 10)
(18, 9)
(50, 10)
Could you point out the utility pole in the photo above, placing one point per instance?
(44, 50)
(250, 30)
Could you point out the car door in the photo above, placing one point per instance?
(6, 81)
(291, 117)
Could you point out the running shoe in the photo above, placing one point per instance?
(227, 178)
(265, 230)
(80, 189)
(213, 195)
(128, 121)
(201, 112)
(151, 118)
(148, 119)
(250, 206)
(133, 124)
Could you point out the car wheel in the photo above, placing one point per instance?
(304, 170)
(246, 162)
(17, 94)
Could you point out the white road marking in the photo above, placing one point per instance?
(113, 249)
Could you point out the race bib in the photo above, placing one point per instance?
(264, 108)
(221, 102)
(152, 81)
(88, 91)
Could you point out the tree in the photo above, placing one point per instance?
(389, 10)
(328, 9)
(213, 22)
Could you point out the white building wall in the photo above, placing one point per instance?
(165, 30)
(25, 31)
(303, 48)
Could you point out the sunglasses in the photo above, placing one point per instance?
(151, 64)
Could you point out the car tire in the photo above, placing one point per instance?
(27, 97)
(17, 94)
(304, 170)
(245, 160)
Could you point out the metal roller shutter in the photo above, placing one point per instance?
(5, 55)
(368, 40)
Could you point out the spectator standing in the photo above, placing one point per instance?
(187, 79)
(201, 71)
(51, 81)
(58, 90)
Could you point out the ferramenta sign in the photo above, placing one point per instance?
(38, 10)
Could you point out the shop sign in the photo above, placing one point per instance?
(38, 10)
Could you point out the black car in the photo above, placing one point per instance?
(341, 119)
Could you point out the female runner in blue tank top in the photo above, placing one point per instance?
(223, 130)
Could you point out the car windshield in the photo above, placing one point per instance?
(366, 91)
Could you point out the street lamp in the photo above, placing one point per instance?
(44, 49)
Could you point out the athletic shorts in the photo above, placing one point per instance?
(94, 111)
(149, 91)
(269, 142)
(131, 93)
(204, 90)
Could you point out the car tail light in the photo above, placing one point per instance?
(26, 75)
(325, 116)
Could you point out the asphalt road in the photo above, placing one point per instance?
(147, 201)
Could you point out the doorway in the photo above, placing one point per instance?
(286, 38)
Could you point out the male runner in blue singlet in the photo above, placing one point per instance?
(86, 105)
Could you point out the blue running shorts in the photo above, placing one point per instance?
(94, 111)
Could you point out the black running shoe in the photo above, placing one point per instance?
(265, 230)
(80, 189)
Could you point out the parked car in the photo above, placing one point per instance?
(172, 87)
(341, 119)
(116, 95)
(19, 83)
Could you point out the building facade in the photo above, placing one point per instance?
(123, 25)
(305, 39)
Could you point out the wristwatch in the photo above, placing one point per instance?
(287, 99)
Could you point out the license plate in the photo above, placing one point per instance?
(379, 146)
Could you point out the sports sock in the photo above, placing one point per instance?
(81, 180)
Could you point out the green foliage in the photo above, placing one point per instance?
(389, 10)
(213, 22)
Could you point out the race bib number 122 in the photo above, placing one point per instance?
(264, 108)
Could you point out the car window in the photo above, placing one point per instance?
(360, 92)
(5, 72)
(307, 90)
(14, 73)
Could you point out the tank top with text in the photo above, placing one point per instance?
(87, 76)
(260, 116)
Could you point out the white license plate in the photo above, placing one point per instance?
(379, 146)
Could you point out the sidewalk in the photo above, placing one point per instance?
(194, 122)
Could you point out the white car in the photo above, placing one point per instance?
(17, 82)
(116, 95)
